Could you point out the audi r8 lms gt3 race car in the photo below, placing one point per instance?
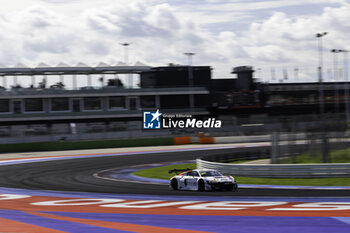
(201, 180)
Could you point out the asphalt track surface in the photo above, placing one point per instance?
(77, 175)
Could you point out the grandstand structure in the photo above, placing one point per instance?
(42, 109)
(110, 102)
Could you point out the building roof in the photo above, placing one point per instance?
(80, 68)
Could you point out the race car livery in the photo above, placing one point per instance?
(201, 180)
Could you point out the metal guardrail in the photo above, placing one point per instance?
(244, 154)
(98, 91)
(279, 170)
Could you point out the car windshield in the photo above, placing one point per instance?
(210, 173)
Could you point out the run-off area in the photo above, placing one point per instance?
(234, 207)
(36, 214)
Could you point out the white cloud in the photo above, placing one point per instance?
(54, 31)
(36, 17)
(136, 20)
(281, 40)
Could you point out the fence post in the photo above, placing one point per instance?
(325, 152)
(274, 145)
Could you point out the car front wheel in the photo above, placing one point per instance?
(201, 186)
(174, 184)
(234, 187)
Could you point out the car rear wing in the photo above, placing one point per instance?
(177, 171)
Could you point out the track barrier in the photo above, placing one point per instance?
(182, 140)
(279, 170)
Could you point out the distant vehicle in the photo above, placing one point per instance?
(201, 180)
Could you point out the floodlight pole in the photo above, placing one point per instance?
(321, 96)
(296, 74)
(74, 82)
(33, 81)
(190, 80)
(346, 79)
(336, 78)
(62, 78)
(89, 80)
(126, 60)
(320, 72)
(15, 81)
(126, 55)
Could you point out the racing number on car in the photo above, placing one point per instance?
(188, 179)
(191, 181)
(183, 180)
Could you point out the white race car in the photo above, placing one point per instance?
(201, 180)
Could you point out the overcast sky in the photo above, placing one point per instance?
(268, 35)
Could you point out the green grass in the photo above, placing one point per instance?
(87, 144)
(338, 156)
(244, 161)
(162, 173)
